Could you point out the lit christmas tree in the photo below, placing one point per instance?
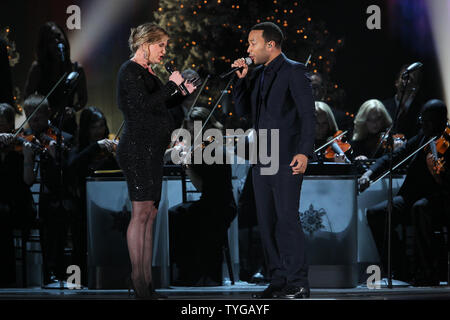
(208, 35)
(13, 57)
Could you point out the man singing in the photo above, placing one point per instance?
(278, 95)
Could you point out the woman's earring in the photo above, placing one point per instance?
(145, 55)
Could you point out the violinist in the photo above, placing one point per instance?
(407, 123)
(199, 229)
(420, 202)
(16, 208)
(371, 123)
(52, 60)
(93, 151)
(53, 196)
(326, 128)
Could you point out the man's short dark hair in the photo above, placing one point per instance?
(271, 32)
(32, 101)
(7, 112)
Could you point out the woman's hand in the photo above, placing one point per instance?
(176, 77)
(6, 139)
(108, 145)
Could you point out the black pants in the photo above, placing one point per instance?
(378, 222)
(277, 202)
(53, 235)
(7, 252)
(428, 215)
(198, 231)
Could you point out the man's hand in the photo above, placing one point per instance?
(431, 164)
(240, 63)
(107, 144)
(364, 181)
(299, 163)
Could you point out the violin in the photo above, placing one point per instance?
(338, 147)
(17, 143)
(22, 138)
(438, 148)
(49, 136)
(399, 139)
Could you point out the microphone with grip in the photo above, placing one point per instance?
(171, 69)
(61, 49)
(415, 66)
(72, 78)
(248, 61)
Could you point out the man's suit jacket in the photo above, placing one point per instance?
(285, 102)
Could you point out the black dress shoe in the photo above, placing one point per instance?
(293, 292)
(269, 293)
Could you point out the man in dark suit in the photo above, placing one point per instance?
(279, 96)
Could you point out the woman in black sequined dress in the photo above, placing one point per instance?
(143, 100)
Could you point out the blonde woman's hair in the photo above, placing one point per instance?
(373, 105)
(322, 107)
(145, 33)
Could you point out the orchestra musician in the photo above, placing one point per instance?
(407, 119)
(54, 198)
(371, 123)
(93, 151)
(16, 207)
(422, 201)
(52, 60)
(199, 228)
(326, 128)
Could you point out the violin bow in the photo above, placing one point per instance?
(119, 131)
(39, 105)
(209, 116)
(331, 141)
(401, 162)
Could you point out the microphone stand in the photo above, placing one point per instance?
(390, 141)
(68, 90)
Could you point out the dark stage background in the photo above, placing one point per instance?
(365, 67)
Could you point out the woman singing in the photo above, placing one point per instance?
(143, 100)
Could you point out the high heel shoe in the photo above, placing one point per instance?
(153, 295)
(132, 286)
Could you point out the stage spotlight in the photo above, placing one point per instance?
(439, 12)
(98, 19)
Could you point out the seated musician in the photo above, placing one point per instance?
(407, 118)
(326, 128)
(420, 202)
(199, 229)
(94, 151)
(54, 196)
(371, 123)
(16, 210)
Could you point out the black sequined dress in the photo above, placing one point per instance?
(143, 100)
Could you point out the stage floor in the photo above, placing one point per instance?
(239, 291)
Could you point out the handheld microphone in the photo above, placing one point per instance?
(171, 69)
(61, 49)
(415, 66)
(248, 61)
